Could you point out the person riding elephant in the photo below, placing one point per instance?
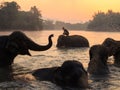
(18, 43)
(113, 47)
(66, 41)
(66, 32)
(98, 60)
(70, 74)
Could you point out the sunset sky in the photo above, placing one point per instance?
(72, 11)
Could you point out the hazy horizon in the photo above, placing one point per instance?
(68, 10)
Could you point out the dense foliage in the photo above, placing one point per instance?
(109, 21)
(12, 18)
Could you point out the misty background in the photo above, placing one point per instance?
(12, 18)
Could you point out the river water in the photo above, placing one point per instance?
(20, 78)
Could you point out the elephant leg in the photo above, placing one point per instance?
(117, 59)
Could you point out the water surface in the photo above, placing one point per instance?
(19, 77)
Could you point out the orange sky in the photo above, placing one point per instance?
(69, 10)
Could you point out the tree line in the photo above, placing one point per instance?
(109, 21)
(12, 18)
(56, 25)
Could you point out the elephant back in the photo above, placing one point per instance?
(72, 41)
(79, 40)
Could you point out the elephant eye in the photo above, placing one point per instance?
(12, 47)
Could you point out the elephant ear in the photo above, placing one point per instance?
(17, 46)
(12, 47)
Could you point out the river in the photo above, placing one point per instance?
(24, 65)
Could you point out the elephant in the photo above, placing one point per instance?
(113, 49)
(17, 43)
(72, 41)
(98, 60)
(70, 74)
(111, 44)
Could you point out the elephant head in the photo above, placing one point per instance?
(18, 43)
(72, 41)
(113, 47)
(72, 74)
(98, 60)
(111, 44)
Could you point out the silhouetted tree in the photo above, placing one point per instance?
(8, 14)
(36, 22)
(109, 21)
(12, 18)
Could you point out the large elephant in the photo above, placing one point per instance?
(72, 41)
(18, 43)
(98, 60)
(113, 47)
(71, 73)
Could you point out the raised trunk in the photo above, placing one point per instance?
(18, 36)
(34, 46)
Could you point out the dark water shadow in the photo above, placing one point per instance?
(74, 50)
(100, 81)
(68, 48)
(99, 77)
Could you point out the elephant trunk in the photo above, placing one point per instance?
(35, 47)
(21, 38)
